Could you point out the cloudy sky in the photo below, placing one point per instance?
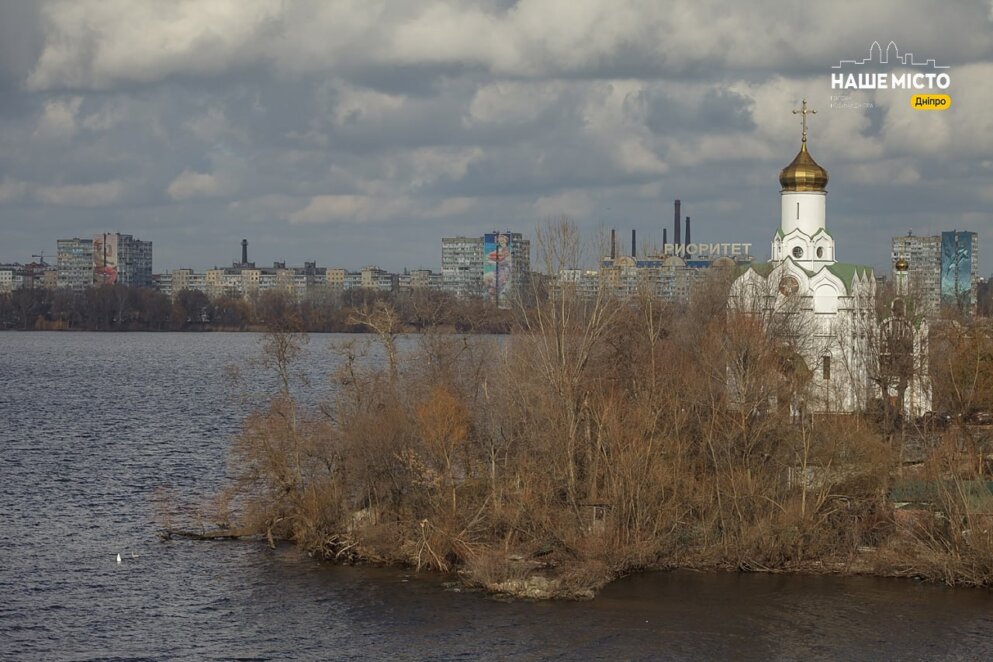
(359, 132)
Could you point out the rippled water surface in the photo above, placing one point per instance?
(91, 425)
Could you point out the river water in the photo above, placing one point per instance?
(94, 426)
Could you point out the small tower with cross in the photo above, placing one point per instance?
(803, 236)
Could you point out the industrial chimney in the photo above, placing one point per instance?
(678, 222)
(665, 238)
(244, 251)
(613, 244)
(634, 243)
(687, 229)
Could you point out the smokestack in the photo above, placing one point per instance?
(244, 251)
(613, 244)
(678, 221)
(634, 243)
(665, 238)
(687, 229)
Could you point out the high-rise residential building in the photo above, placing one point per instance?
(917, 270)
(462, 265)
(506, 267)
(496, 266)
(120, 259)
(74, 263)
(938, 271)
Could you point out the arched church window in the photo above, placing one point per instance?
(820, 251)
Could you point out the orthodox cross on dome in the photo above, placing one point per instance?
(803, 112)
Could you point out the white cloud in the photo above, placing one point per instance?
(11, 190)
(101, 194)
(98, 44)
(966, 128)
(574, 204)
(512, 102)
(190, 184)
(102, 43)
(463, 114)
(58, 119)
(214, 126)
(329, 208)
(356, 104)
(375, 208)
(887, 172)
(109, 116)
(449, 207)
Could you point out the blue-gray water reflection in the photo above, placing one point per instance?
(91, 425)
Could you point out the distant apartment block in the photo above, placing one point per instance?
(670, 278)
(496, 266)
(462, 266)
(938, 271)
(419, 279)
(120, 259)
(34, 275)
(74, 263)
(9, 281)
(374, 278)
(246, 280)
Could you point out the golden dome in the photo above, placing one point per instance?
(902, 264)
(803, 174)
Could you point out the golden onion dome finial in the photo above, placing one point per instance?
(803, 174)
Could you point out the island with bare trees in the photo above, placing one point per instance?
(600, 437)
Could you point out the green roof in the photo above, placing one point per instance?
(847, 272)
(824, 230)
(761, 268)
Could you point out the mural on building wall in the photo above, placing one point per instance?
(956, 268)
(105, 259)
(497, 267)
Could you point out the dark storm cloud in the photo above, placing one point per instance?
(355, 134)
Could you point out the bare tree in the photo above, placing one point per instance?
(382, 318)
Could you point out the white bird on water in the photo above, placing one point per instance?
(118, 558)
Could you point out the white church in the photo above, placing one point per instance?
(831, 304)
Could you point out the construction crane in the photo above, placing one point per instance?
(41, 259)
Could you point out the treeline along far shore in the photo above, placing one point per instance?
(120, 308)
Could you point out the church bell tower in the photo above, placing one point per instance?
(802, 235)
